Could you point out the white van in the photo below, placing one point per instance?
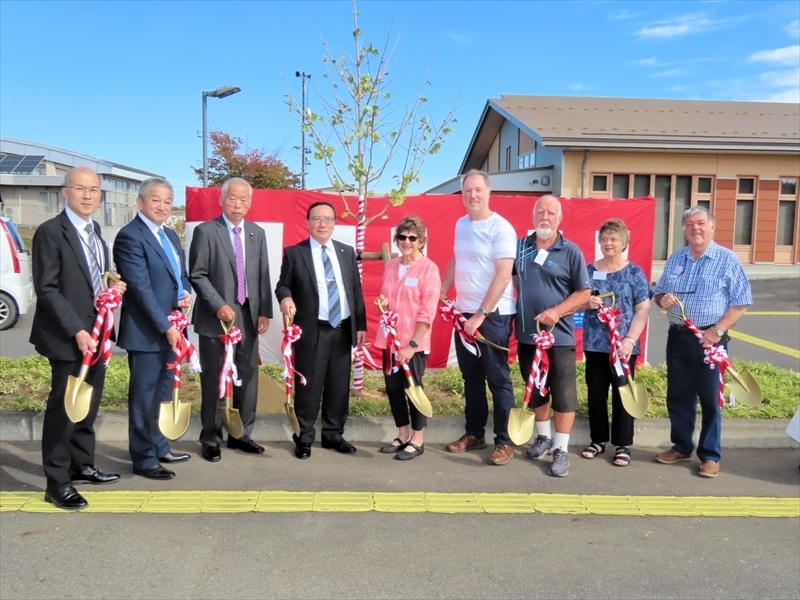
(16, 286)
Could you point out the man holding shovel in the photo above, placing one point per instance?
(150, 259)
(710, 283)
(69, 259)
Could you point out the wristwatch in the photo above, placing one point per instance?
(481, 311)
(413, 344)
(718, 331)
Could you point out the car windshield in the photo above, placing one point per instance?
(15, 234)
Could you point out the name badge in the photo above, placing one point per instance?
(599, 275)
(411, 281)
(678, 270)
(541, 256)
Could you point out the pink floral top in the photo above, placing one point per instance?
(414, 296)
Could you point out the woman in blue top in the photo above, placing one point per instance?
(612, 273)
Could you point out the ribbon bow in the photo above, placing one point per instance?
(228, 374)
(105, 303)
(611, 317)
(291, 333)
(540, 367)
(183, 350)
(388, 323)
(715, 356)
(450, 313)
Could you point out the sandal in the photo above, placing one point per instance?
(392, 448)
(622, 457)
(406, 455)
(592, 450)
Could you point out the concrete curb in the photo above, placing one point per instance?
(652, 433)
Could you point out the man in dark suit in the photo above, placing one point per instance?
(150, 259)
(319, 284)
(69, 258)
(229, 270)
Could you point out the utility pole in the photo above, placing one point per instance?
(303, 150)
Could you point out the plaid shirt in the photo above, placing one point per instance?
(708, 286)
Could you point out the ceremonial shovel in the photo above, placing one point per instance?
(743, 386)
(521, 420)
(289, 403)
(174, 415)
(229, 415)
(414, 392)
(78, 395)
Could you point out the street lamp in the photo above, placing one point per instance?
(303, 151)
(220, 92)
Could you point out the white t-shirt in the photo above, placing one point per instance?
(478, 244)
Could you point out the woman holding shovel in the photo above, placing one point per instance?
(411, 288)
(612, 274)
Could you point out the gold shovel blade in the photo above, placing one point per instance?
(78, 396)
(745, 388)
(419, 399)
(634, 399)
(231, 420)
(290, 412)
(520, 425)
(174, 417)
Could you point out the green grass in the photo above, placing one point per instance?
(25, 383)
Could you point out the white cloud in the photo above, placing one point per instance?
(786, 78)
(622, 15)
(677, 88)
(793, 28)
(577, 86)
(792, 95)
(789, 55)
(684, 25)
(667, 73)
(646, 62)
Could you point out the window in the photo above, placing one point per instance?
(600, 183)
(786, 216)
(641, 186)
(683, 200)
(620, 186)
(743, 227)
(49, 201)
(789, 187)
(663, 194)
(526, 161)
(508, 158)
(704, 185)
(747, 186)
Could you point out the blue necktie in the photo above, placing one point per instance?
(334, 306)
(171, 256)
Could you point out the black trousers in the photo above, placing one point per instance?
(68, 447)
(245, 396)
(403, 410)
(326, 366)
(599, 376)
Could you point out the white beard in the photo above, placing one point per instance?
(544, 233)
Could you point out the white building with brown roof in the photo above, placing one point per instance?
(740, 159)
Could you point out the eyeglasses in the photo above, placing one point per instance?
(80, 189)
(403, 238)
(318, 220)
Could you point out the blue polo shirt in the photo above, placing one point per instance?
(543, 286)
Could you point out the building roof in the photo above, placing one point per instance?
(578, 123)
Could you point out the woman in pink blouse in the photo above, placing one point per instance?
(411, 288)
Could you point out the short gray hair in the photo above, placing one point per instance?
(697, 210)
(145, 186)
(546, 196)
(236, 180)
(472, 172)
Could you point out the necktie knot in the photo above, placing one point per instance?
(237, 230)
(89, 229)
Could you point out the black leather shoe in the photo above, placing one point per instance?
(92, 474)
(340, 445)
(212, 453)
(159, 473)
(302, 450)
(174, 457)
(68, 499)
(248, 446)
(410, 454)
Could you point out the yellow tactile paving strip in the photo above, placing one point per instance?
(188, 502)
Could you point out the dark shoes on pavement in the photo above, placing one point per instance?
(68, 499)
(158, 473)
(302, 450)
(341, 445)
(92, 474)
(467, 442)
(211, 453)
(392, 448)
(174, 457)
(248, 446)
(406, 454)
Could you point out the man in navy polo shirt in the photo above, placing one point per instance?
(552, 282)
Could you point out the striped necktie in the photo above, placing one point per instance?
(334, 306)
(95, 260)
(162, 236)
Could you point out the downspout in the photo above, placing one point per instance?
(583, 173)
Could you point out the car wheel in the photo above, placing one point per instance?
(9, 313)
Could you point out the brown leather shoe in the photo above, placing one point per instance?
(467, 442)
(671, 456)
(709, 468)
(501, 454)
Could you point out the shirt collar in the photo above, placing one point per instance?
(78, 221)
(231, 225)
(152, 226)
(557, 245)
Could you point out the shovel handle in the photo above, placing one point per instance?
(682, 316)
(226, 327)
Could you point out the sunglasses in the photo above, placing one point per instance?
(403, 238)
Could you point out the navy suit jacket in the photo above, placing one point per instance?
(152, 291)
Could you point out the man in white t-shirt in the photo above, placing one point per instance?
(485, 247)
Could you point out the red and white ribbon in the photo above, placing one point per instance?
(105, 303)
(228, 374)
(291, 333)
(388, 323)
(611, 318)
(540, 367)
(184, 350)
(716, 356)
(361, 230)
(365, 355)
(451, 314)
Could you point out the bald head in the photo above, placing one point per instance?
(546, 216)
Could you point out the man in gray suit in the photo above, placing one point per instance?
(229, 270)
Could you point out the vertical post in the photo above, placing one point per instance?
(205, 143)
(303, 139)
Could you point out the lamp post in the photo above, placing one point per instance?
(304, 76)
(221, 92)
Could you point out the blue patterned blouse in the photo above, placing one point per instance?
(630, 288)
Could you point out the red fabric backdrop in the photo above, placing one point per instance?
(582, 217)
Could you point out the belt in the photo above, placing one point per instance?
(327, 324)
(685, 328)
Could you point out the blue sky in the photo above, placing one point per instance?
(123, 80)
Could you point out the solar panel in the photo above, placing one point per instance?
(8, 161)
(18, 163)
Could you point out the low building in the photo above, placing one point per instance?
(32, 175)
(739, 159)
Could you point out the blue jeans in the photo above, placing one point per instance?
(689, 378)
(490, 367)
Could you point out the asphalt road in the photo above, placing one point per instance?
(770, 295)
